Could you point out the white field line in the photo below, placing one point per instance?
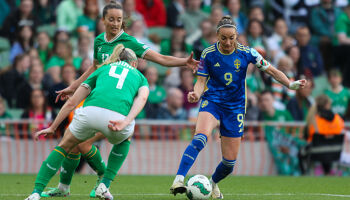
(243, 194)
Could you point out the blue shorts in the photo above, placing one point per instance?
(231, 121)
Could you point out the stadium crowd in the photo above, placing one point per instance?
(46, 45)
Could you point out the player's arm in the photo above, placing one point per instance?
(283, 79)
(137, 106)
(171, 61)
(198, 89)
(64, 94)
(68, 107)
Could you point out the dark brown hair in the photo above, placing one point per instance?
(112, 5)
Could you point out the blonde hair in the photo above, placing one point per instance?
(320, 103)
(120, 53)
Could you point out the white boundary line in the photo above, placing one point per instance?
(243, 194)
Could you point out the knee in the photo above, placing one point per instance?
(199, 141)
(84, 147)
(68, 147)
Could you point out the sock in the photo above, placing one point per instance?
(49, 168)
(115, 161)
(68, 167)
(223, 169)
(198, 143)
(179, 178)
(93, 157)
(63, 187)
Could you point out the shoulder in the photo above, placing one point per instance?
(244, 49)
(208, 50)
(100, 38)
(126, 36)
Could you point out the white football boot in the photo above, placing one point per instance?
(102, 192)
(216, 194)
(34, 196)
(178, 187)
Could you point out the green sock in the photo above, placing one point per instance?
(93, 157)
(49, 168)
(115, 161)
(68, 167)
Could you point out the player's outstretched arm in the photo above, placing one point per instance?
(171, 61)
(137, 106)
(283, 79)
(68, 107)
(198, 90)
(65, 93)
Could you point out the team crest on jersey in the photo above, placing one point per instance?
(99, 49)
(204, 103)
(237, 64)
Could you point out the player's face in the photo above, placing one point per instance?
(227, 37)
(113, 21)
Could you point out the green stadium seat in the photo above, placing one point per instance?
(320, 85)
(15, 112)
(4, 59)
(49, 29)
(162, 32)
(4, 44)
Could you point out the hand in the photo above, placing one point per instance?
(117, 125)
(295, 85)
(192, 97)
(192, 63)
(64, 94)
(45, 132)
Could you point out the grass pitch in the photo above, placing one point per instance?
(13, 187)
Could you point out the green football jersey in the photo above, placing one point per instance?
(114, 87)
(103, 48)
(339, 100)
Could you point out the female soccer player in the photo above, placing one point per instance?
(224, 99)
(115, 93)
(112, 17)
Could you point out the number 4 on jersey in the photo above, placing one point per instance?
(121, 76)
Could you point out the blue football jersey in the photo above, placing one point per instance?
(226, 74)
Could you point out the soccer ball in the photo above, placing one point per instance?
(198, 188)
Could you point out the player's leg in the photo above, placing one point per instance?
(231, 130)
(53, 162)
(206, 122)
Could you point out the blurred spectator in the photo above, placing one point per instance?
(216, 14)
(4, 11)
(38, 110)
(176, 42)
(138, 30)
(294, 53)
(13, 77)
(68, 12)
(255, 36)
(173, 109)
(85, 46)
(3, 116)
(274, 42)
(240, 19)
(192, 17)
(100, 27)
(153, 11)
(45, 12)
(256, 12)
(87, 21)
(321, 120)
(254, 80)
(36, 76)
(268, 111)
(44, 47)
(252, 112)
(157, 93)
(22, 16)
(281, 93)
(294, 12)
(208, 38)
(62, 56)
(310, 57)
(186, 86)
(299, 105)
(173, 76)
(175, 8)
(85, 64)
(130, 13)
(68, 75)
(61, 36)
(322, 23)
(338, 94)
(342, 43)
(24, 42)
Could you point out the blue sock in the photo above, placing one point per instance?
(223, 169)
(198, 143)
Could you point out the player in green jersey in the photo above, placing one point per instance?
(115, 93)
(103, 46)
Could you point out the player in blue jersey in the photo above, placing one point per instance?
(221, 82)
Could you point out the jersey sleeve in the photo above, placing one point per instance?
(90, 82)
(203, 66)
(95, 49)
(144, 82)
(140, 49)
(258, 60)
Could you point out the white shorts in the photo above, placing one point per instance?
(89, 120)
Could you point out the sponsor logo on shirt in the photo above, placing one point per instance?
(217, 65)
